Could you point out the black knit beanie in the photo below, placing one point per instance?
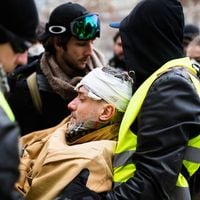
(62, 15)
(19, 17)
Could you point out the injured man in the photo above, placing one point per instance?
(53, 157)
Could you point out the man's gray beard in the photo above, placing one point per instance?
(81, 126)
(73, 126)
(77, 130)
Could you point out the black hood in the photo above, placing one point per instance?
(152, 34)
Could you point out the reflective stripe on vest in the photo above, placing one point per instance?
(123, 165)
(182, 191)
(6, 107)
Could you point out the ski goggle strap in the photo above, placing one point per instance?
(84, 28)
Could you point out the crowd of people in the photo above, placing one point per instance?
(75, 126)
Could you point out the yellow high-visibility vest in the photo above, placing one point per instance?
(123, 165)
(6, 107)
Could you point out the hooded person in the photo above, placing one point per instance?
(144, 56)
(157, 154)
(69, 54)
(85, 139)
(18, 22)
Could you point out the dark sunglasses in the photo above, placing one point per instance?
(84, 28)
(18, 45)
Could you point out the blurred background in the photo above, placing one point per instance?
(114, 10)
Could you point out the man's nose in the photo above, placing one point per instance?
(89, 49)
(72, 104)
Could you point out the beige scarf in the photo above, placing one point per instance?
(63, 83)
(48, 163)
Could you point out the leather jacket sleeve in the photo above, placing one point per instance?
(170, 115)
(9, 156)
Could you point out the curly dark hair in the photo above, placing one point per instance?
(48, 43)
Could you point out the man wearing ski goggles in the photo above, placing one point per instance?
(86, 27)
(68, 40)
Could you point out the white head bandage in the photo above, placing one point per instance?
(110, 85)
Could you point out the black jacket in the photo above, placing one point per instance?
(9, 156)
(54, 107)
(170, 115)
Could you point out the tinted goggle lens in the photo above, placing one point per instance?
(86, 27)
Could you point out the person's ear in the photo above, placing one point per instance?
(108, 111)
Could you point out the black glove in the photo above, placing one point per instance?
(77, 189)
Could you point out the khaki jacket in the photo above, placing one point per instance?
(48, 163)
